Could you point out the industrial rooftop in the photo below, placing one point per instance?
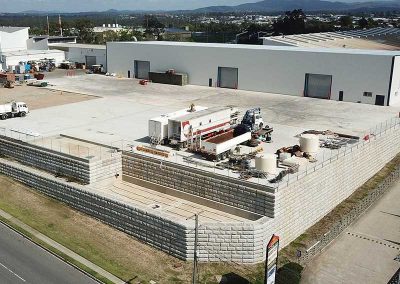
(265, 47)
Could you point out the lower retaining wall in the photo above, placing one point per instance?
(241, 241)
(159, 232)
(243, 195)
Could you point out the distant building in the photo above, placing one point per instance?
(88, 54)
(16, 47)
(177, 33)
(13, 38)
(108, 27)
(376, 38)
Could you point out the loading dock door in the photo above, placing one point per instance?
(142, 69)
(228, 77)
(318, 86)
(380, 100)
(90, 61)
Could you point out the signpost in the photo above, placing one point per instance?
(271, 261)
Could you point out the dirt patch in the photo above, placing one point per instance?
(37, 98)
(114, 251)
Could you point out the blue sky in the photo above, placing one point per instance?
(101, 5)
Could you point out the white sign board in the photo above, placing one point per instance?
(271, 275)
(272, 253)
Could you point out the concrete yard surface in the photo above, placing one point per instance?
(365, 251)
(125, 108)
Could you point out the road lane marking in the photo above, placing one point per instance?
(15, 274)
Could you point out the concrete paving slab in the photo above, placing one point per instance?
(365, 252)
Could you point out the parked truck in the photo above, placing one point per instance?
(13, 109)
(158, 126)
(192, 127)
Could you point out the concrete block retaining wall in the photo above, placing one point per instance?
(242, 241)
(54, 162)
(238, 242)
(229, 191)
(303, 203)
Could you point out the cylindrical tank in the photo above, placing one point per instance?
(266, 163)
(309, 143)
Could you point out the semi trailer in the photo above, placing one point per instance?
(158, 126)
(13, 109)
(200, 125)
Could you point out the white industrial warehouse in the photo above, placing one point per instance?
(361, 76)
(16, 47)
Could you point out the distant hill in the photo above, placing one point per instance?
(272, 6)
(306, 5)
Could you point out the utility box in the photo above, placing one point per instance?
(170, 78)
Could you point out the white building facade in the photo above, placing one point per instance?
(88, 54)
(13, 38)
(364, 76)
(16, 47)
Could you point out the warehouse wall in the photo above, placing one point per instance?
(14, 41)
(306, 201)
(271, 69)
(395, 87)
(78, 54)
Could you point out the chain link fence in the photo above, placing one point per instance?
(337, 228)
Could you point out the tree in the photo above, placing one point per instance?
(128, 35)
(363, 23)
(292, 23)
(346, 22)
(84, 31)
(153, 26)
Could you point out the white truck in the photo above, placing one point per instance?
(222, 145)
(200, 125)
(13, 109)
(158, 126)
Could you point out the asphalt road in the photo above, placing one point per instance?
(21, 261)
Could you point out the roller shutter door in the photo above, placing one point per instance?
(90, 61)
(318, 86)
(142, 69)
(228, 77)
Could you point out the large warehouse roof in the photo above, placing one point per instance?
(78, 45)
(264, 47)
(376, 38)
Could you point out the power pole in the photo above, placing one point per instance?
(196, 233)
(48, 26)
(60, 24)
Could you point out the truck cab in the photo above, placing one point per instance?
(253, 119)
(20, 108)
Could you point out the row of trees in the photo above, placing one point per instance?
(292, 22)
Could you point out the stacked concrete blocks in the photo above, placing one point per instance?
(229, 191)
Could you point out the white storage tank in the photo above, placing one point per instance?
(309, 143)
(266, 163)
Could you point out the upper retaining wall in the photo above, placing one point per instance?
(229, 191)
(58, 163)
(306, 201)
